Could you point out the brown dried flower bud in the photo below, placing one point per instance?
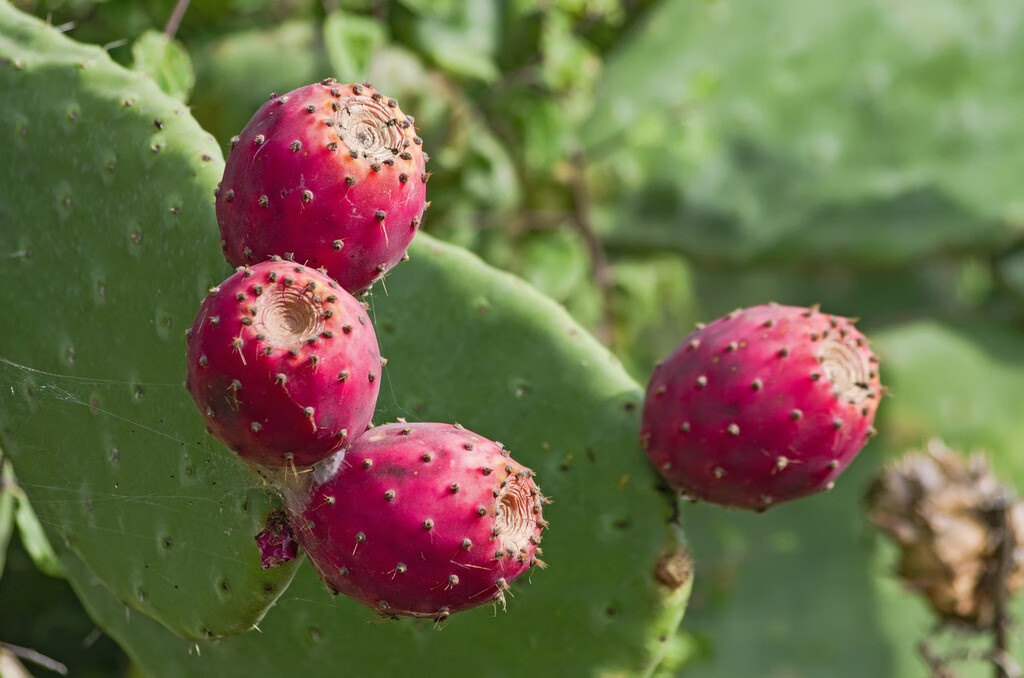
(944, 512)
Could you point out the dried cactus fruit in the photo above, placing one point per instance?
(944, 512)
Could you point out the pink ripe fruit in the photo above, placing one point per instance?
(283, 364)
(762, 406)
(331, 175)
(423, 520)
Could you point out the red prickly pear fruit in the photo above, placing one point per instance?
(283, 364)
(762, 406)
(422, 520)
(331, 174)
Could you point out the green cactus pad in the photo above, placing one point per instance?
(109, 243)
(504, 361)
(797, 148)
(113, 279)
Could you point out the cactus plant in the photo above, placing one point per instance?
(772, 163)
(136, 498)
(109, 367)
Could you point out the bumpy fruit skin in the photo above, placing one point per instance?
(283, 364)
(761, 406)
(423, 520)
(329, 174)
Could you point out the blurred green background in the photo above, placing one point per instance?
(653, 163)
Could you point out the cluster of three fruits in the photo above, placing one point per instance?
(322, 193)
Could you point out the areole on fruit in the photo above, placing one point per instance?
(847, 368)
(288, 316)
(369, 127)
(514, 516)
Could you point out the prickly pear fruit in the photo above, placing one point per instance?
(422, 520)
(331, 174)
(283, 364)
(761, 406)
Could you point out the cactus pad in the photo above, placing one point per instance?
(110, 241)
